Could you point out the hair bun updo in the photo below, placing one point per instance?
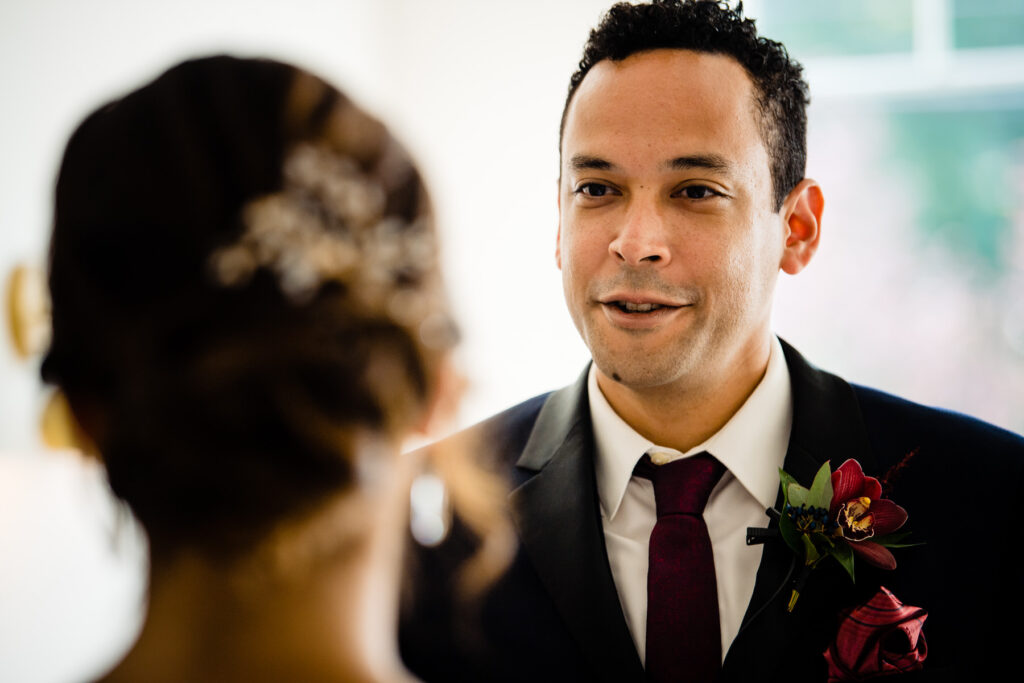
(244, 276)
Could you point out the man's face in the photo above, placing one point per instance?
(668, 243)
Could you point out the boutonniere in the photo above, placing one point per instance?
(842, 515)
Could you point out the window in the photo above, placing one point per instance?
(917, 136)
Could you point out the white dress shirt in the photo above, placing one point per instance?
(752, 446)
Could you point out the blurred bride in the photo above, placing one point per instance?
(248, 322)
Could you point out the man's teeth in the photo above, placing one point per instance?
(637, 308)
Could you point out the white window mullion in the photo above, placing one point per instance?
(933, 33)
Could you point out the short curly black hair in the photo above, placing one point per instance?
(713, 27)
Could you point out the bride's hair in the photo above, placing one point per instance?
(245, 280)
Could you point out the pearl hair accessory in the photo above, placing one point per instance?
(328, 224)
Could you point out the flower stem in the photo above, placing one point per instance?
(792, 600)
(800, 581)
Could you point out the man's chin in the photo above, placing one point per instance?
(637, 371)
(639, 361)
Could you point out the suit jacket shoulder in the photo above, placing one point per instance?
(554, 615)
(897, 427)
(506, 433)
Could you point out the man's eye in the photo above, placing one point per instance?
(698, 192)
(593, 190)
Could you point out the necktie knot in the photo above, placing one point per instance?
(683, 486)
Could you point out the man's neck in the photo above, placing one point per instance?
(687, 412)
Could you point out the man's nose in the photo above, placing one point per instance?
(643, 238)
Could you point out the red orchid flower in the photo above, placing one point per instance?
(861, 512)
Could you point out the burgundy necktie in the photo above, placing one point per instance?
(683, 633)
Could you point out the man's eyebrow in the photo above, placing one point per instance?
(585, 162)
(710, 162)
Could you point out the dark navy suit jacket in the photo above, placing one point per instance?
(555, 614)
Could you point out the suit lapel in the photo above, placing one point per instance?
(558, 518)
(827, 426)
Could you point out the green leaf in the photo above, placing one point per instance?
(790, 534)
(822, 542)
(844, 554)
(811, 552)
(820, 495)
(785, 479)
(797, 495)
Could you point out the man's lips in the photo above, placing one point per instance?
(639, 316)
(638, 304)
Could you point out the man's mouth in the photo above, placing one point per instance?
(631, 307)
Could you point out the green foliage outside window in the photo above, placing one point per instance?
(964, 156)
(814, 28)
(988, 23)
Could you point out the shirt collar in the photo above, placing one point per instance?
(752, 444)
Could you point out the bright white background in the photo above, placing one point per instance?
(475, 90)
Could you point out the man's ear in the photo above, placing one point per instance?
(558, 232)
(801, 213)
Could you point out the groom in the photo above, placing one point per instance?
(682, 195)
